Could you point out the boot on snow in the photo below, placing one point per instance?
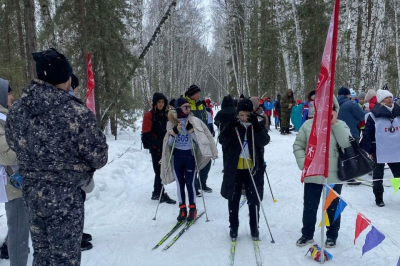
(4, 251)
(192, 213)
(167, 199)
(233, 233)
(182, 212)
(254, 231)
(379, 199)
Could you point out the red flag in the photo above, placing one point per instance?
(317, 153)
(361, 223)
(90, 86)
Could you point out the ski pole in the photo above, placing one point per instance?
(162, 189)
(254, 183)
(265, 170)
(201, 186)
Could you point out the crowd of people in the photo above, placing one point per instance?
(50, 147)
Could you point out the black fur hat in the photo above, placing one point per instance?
(245, 105)
(52, 66)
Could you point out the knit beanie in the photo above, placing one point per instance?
(361, 95)
(180, 102)
(344, 91)
(172, 102)
(241, 96)
(370, 93)
(353, 93)
(52, 66)
(192, 90)
(382, 94)
(245, 105)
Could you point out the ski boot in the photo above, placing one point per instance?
(192, 213)
(233, 233)
(182, 212)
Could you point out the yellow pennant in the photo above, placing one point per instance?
(326, 221)
(396, 184)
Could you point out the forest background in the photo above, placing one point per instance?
(255, 47)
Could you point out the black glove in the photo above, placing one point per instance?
(189, 126)
(175, 129)
(252, 118)
(213, 133)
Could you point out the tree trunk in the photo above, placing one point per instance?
(284, 46)
(366, 59)
(299, 44)
(22, 53)
(30, 31)
(353, 23)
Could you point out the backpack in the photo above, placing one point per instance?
(145, 144)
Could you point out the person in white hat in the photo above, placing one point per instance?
(381, 140)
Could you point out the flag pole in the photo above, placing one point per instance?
(322, 256)
(330, 103)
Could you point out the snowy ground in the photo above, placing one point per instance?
(119, 215)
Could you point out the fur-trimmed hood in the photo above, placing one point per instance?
(173, 117)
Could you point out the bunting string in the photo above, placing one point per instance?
(328, 186)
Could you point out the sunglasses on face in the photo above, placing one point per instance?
(185, 107)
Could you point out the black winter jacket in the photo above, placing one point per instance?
(227, 113)
(232, 149)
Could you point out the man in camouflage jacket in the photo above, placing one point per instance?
(58, 146)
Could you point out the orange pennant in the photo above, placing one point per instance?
(329, 199)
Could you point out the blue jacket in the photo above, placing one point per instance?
(351, 114)
(268, 105)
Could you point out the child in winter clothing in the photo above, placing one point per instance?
(183, 133)
(243, 161)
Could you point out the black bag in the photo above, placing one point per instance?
(354, 162)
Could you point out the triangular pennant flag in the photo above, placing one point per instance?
(331, 196)
(361, 223)
(326, 221)
(373, 239)
(339, 209)
(329, 187)
(395, 184)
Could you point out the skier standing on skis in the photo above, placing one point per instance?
(185, 134)
(240, 161)
(154, 128)
(198, 109)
